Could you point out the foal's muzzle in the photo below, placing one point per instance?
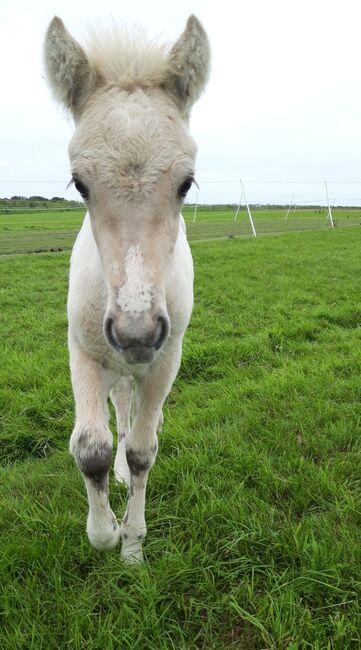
(137, 348)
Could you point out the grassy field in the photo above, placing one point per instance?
(56, 230)
(254, 504)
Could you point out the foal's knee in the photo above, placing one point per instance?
(92, 451)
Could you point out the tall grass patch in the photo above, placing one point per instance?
(253, 505)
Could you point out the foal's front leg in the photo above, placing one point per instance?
(121, 396)
(91, 445)
(141, 446)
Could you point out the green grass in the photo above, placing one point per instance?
(254, 504)
(56, 230)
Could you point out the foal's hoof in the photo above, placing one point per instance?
(132, 553)
(132, 545)
(105, 537)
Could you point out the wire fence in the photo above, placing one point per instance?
(259, 209)
(199, 230)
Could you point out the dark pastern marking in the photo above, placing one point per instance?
(138, 463)
(93, 463)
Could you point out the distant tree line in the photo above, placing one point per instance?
(41, 202)
(22, 203)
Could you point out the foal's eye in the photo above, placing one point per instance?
(185, 187)
(83, 191)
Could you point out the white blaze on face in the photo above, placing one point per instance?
(136, 294)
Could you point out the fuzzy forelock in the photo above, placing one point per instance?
(127, 57)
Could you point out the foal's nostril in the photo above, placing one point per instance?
(110, 333)
(161, 332)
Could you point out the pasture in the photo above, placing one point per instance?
(28, 232)
(253, 505)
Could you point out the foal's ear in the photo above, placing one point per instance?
(188, 66)
(68, 71)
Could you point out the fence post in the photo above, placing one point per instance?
(291, 204)
(238, 208)
(248, 210)
(332, 223)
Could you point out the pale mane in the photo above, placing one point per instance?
(127, 57)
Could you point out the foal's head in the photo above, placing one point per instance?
(132, 161)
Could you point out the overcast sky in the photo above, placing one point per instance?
(283, 102)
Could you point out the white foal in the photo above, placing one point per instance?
(131, 276)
